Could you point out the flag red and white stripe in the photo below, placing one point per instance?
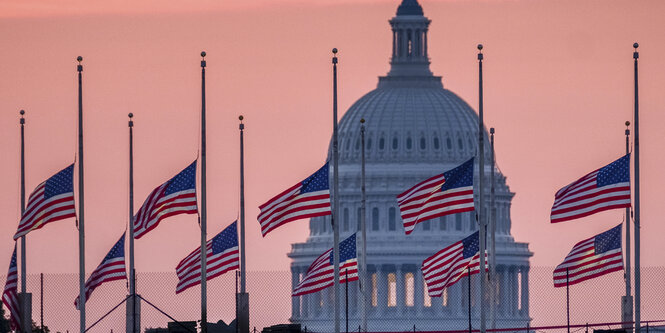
(591, 258)
(308, 198)
(448, 193)
(51, 201)
(222, 256)
(10, 293)
(111, 268)
(449, 265)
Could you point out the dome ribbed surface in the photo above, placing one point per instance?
(409, 7)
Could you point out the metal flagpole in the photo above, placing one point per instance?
(81, 216)
(492, 229)
(204, 267)
(346, 287)
(567, 300)
(365, 285)
(25, 298)
(132, 312)
(636, 203)
(468, 271)
(243, 297)
(335, 210)
(481, 196)
(627, 301)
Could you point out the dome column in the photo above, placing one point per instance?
(295, 301)
(400, 290)
(524, 311)
(382, 289)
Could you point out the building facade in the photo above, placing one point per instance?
(415, 129)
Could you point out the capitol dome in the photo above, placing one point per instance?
(414, 129)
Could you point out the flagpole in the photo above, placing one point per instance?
(567, 300)
(243, 300)
(131, 305)
(627, 301)
(81, 224)
(363, 229)
(204, 267)
(346, 288)
(481, 196)
(26, 300)
(492, 276)
(335, 212)
(636, 207)
(468, 278)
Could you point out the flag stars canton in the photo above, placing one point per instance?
(316, 182)
(460, 176)
(616, 172)
(185, 180)
(12, 263)
(471, 245)
(226, 239)
(61, 182)
(347, 250)
(118, 249)
(608, 240)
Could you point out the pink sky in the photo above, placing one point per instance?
(558, 88)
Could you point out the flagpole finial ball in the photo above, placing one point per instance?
(79, 58)
(491, 130)
(130, 115)
(203, 53)
(334, 50)
(480, 46)
(241, 118)
(362, 120)
(22, 112)
(635, 45)
(627, 123)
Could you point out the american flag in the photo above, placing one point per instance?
(308, 198)
(221, 254)
(320, 274)
(603, 189)
(444, 194)
(176, 196)
(591, 258)
(10, 294)
(51, 201)
(111, 268)
(449, 265)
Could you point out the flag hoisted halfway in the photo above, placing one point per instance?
(454, 262)
(308, 198)
(111, 268)
(222, 255)
(448, 193)
(590, 258)
(176, 196)
(51, 201)
(10, 293)
(320, 273)
(603, 189)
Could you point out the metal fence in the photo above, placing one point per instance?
(591, 302)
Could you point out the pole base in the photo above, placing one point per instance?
(627, 311)
(242, 320)
(133, 306)
(25, 303)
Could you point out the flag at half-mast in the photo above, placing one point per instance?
(308, 198)
(454, 262)
(222, 256)
(448, 193)
(320, 274)
(10, 293)
(51, 201)
(591, 258)
(111, 268)
(176, 196)
(600, 190)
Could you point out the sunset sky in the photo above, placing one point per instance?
(558, 89)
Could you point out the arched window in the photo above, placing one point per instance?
(458, 222)
(375, 219)
(375, 292)
(409, 144)
(449, 143)
(423, 143)
(437, 145)
(395, 143)
(443, 225)
(408, 289)
(427, 301)
(427, 225)
(382, 143)
(460, 145)
(392, 290)
(391, 219)
(369, 143)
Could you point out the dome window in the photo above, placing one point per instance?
(395, 143)
(460, 144)
(375, 219)
(423, 143)
(409, 143)
(369, 143)
(392, 225)
(382, 143)
(449, 143)
(358, 143)
(437, 144)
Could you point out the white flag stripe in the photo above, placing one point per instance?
(293, 207)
